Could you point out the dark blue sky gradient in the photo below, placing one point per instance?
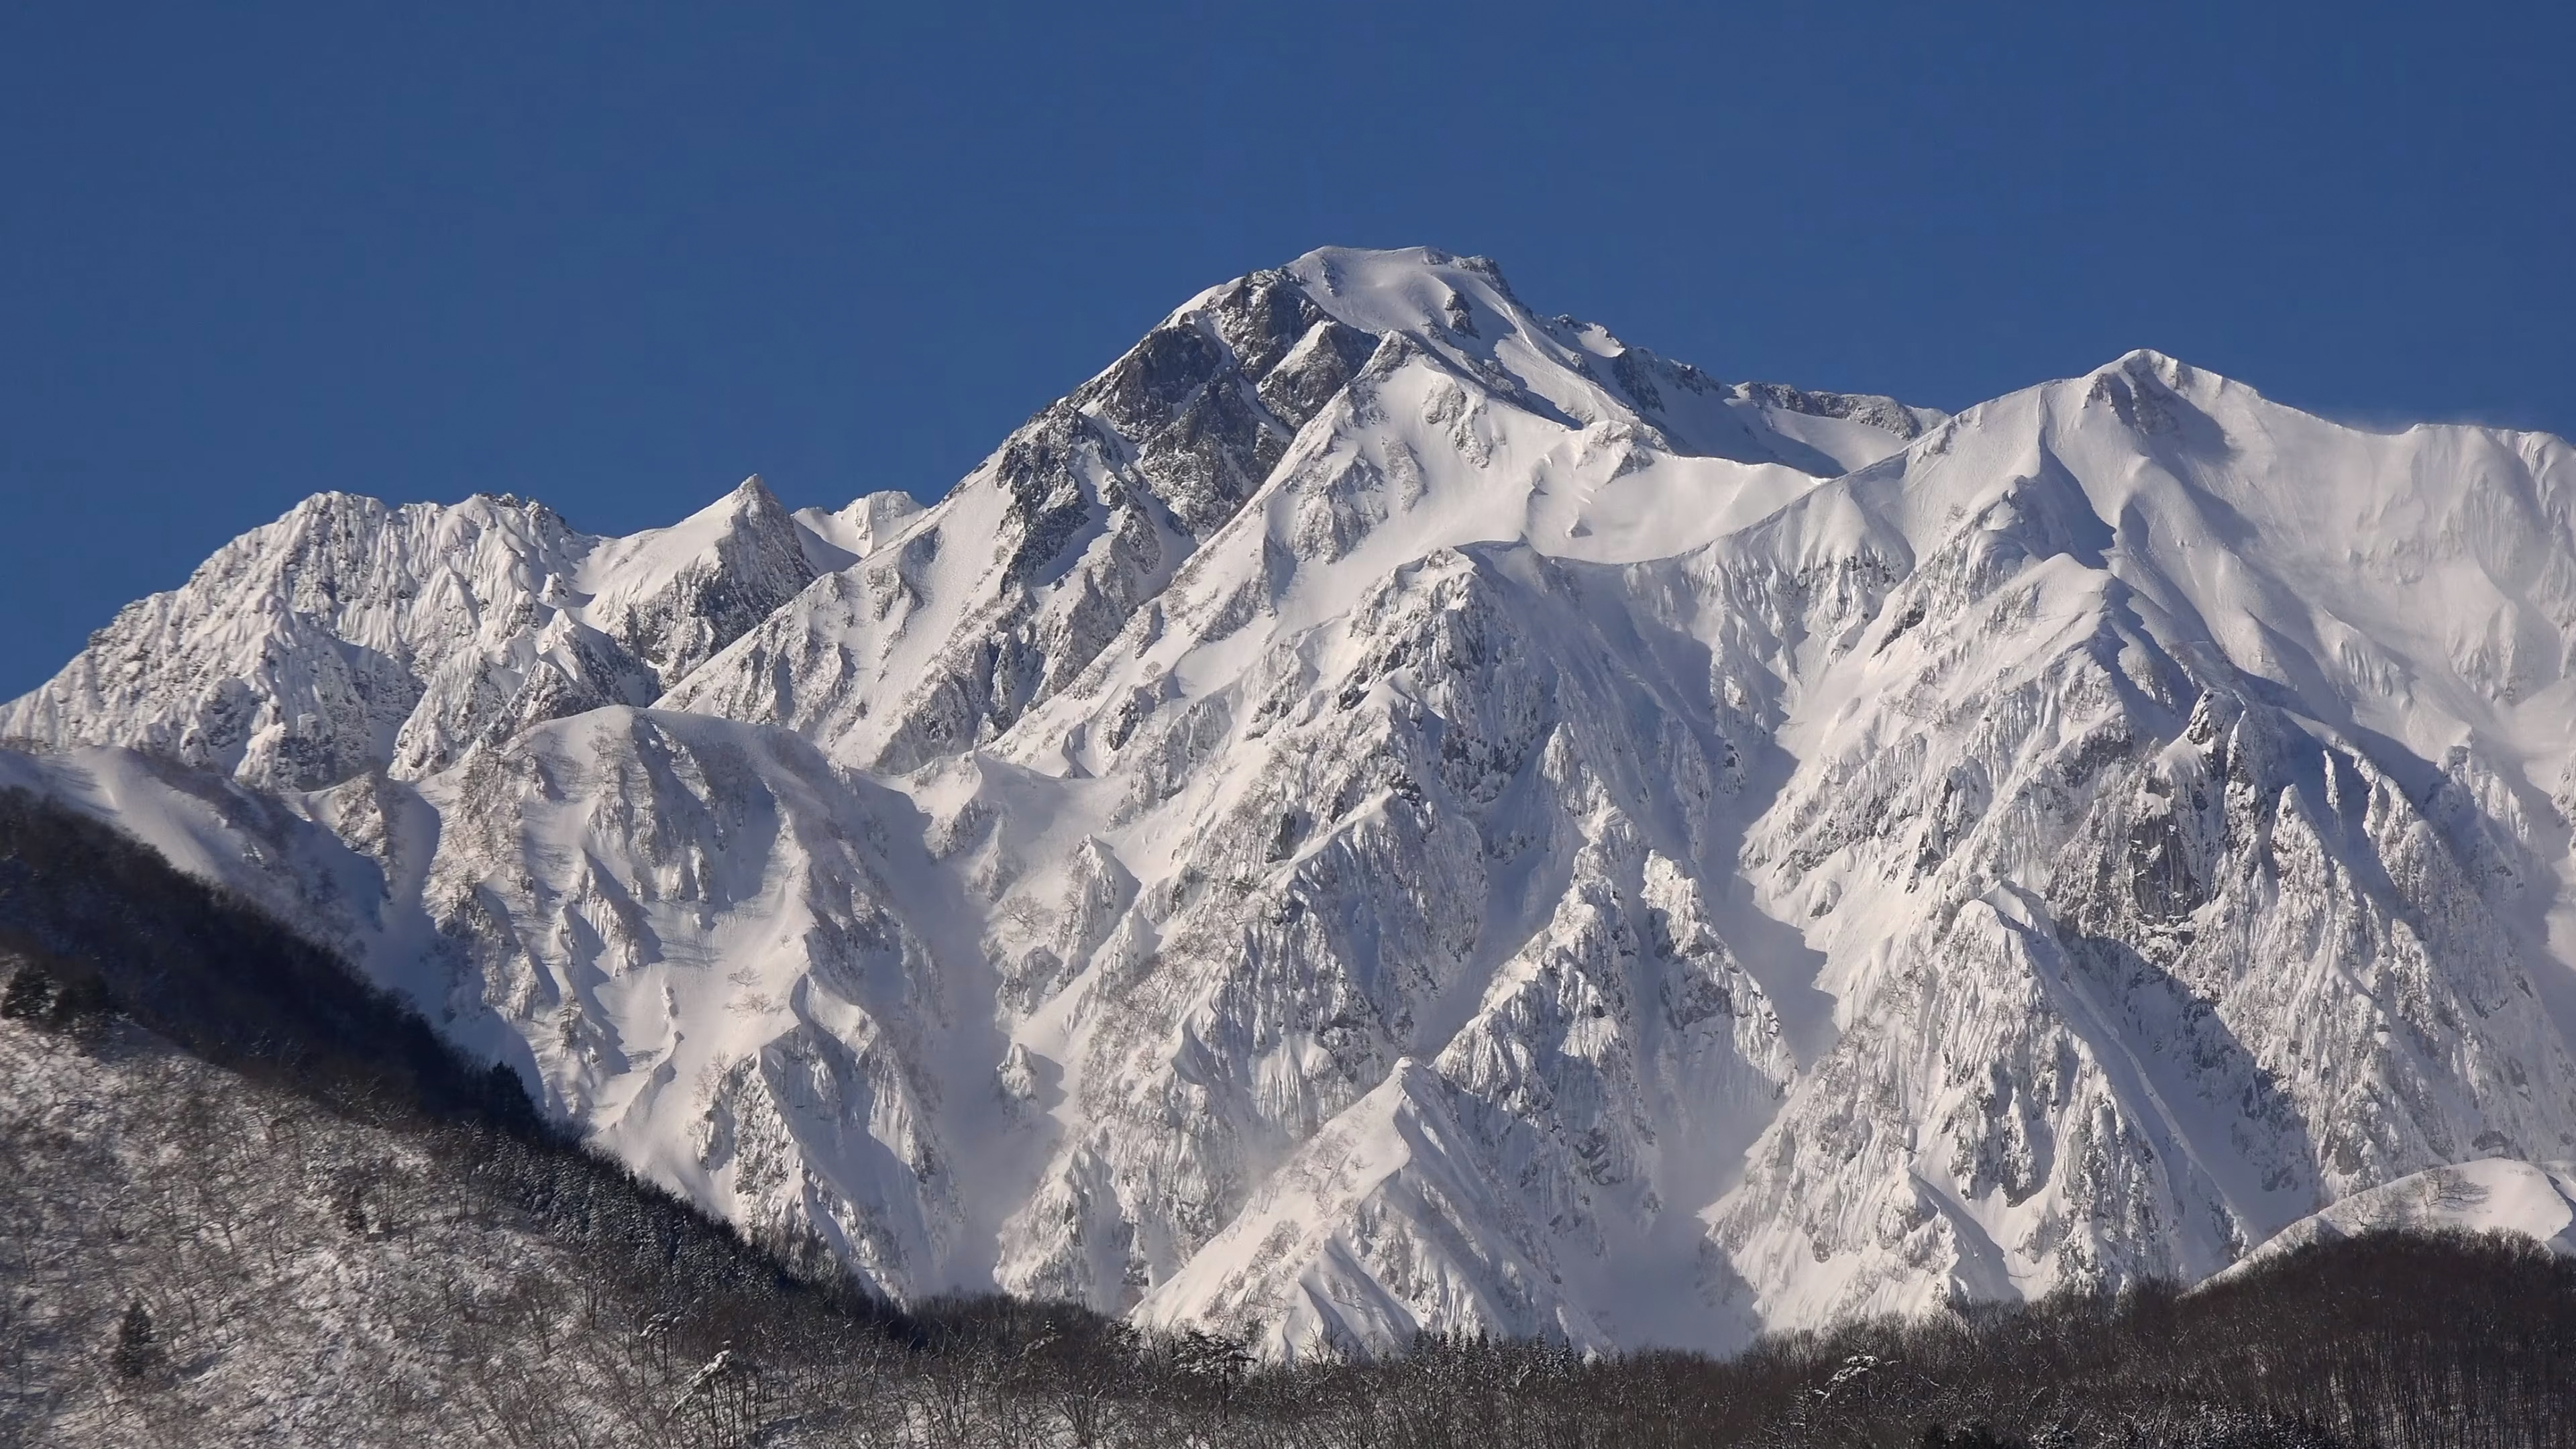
(619, 256)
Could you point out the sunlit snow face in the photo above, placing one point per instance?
(1385, 811)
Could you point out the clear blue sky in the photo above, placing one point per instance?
(618, 256)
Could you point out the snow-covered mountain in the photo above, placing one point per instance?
(1383, 810)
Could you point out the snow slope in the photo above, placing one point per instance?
(1383, 810)
(2490, 1195)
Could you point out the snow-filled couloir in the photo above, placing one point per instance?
(1385, 811)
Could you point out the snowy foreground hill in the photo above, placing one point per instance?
(1383, 810)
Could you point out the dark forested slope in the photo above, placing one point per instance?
(246, 1199)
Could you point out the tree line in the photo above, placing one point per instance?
(249, 1199)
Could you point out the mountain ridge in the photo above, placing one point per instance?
(1383, 811)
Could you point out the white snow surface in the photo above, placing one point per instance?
(1384, 811)
(2536, 1200)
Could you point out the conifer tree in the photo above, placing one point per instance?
(136, 1345)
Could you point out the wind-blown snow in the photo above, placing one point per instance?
(1382, 811)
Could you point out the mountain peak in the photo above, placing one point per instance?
(1420, 290)
(2158, 369)
(2147, 358)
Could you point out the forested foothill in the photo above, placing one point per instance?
(245, 1198)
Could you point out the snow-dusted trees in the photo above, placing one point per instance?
(502, 1295)
(319, 1246)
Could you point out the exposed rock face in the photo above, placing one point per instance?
(1384, 811)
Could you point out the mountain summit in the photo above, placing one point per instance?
(1386, 811)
